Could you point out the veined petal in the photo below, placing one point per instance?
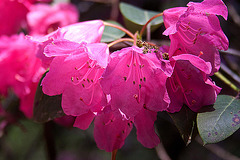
(63, 48)
(99, 52)
(88, 31)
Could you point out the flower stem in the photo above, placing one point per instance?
(145, 26)
(114, 154)
(135, 39)
(226, 81)
(120, 40)
(120, 28)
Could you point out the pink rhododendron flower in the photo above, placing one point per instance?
(43, 18)
(189, 83)
(20, 70)
(89, 32)
(196, 29)
(74, 73)
(136, 81)
(11, 23)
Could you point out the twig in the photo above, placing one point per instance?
(226, 81)
(149, 32)
(161, 152)
(220, 152)
(114, 154)
(50, 143)
(231, 51)
(149, 21)
(233, 13)
(230, 73)
(114, 10)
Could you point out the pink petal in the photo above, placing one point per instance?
(84, 121)
(111, 130)
(144, 122)
(61, 72)
(99, 52)
(62, 48)
(12, 22)
(211, 7)
(196, 61)
(170, 18)
(77, 100)
(88, 31)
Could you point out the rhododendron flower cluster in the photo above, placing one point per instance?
(120, 89)
(20, 70)
(43, 18)
(196, 36)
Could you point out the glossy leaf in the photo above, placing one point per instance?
(185, 123)
(135, 17)
(46, 107)
(219, 124)
(111, 34)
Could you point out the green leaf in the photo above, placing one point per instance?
(46, 107)
(135, 17)
(219, 124)
(185, 123)
(111, 34)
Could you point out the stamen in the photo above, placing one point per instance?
(201, 53)
(144, 79)
(194, 101)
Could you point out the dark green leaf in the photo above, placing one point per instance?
(111, 34)
(185, 123)
(46, 107)
(135, 17)
(219, 124)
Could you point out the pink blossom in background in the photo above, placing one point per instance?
(20, 69)
(196, 29)
(136, 81)
(74, 73)
(43, 18)
(190, 83)
(88, 31)
(37, 1)
(12, 17)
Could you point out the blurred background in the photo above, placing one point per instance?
(27, 140)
